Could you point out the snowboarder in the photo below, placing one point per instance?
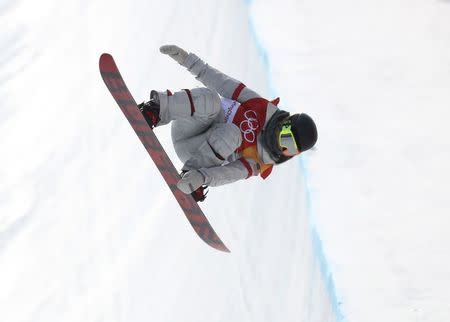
(225, 132)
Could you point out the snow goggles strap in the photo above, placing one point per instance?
(286, 139)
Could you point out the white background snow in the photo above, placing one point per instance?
(89, 231)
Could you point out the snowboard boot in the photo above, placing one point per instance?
(150, 110)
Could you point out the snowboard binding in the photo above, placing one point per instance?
(150, 110)
(199, 195)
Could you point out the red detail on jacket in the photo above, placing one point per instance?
(188, 92)
(266, 173)
(275, 101)
(237, 92)
(250, 119)
(247, 166)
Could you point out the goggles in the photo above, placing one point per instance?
(286, 140)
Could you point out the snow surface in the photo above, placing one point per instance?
(89, 231)
(376, 76)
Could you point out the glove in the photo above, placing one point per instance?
(191, 181)
(175, 52)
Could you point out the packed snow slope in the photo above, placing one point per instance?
(376, 76)
(89, 232)
(88, 229)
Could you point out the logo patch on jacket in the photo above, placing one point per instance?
(250, 118)
(229, 108)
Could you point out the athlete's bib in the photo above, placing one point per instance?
(229, 108)
(249, 117)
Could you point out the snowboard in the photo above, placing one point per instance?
(116, 85)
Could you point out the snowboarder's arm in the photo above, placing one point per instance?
(212, 78)
(231, 172)
(218, 176)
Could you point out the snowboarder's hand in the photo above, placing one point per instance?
(191, 181)
(175, 52)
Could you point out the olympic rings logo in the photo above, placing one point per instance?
(249, 125)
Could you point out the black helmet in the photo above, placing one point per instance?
(304, 130)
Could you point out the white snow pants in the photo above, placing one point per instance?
(201, 138)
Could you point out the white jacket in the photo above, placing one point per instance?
(224, 152)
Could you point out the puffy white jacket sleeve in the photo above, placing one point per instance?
(214, 79)
(231, 172)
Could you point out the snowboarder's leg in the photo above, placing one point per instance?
(194, 110)
(200, 137)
